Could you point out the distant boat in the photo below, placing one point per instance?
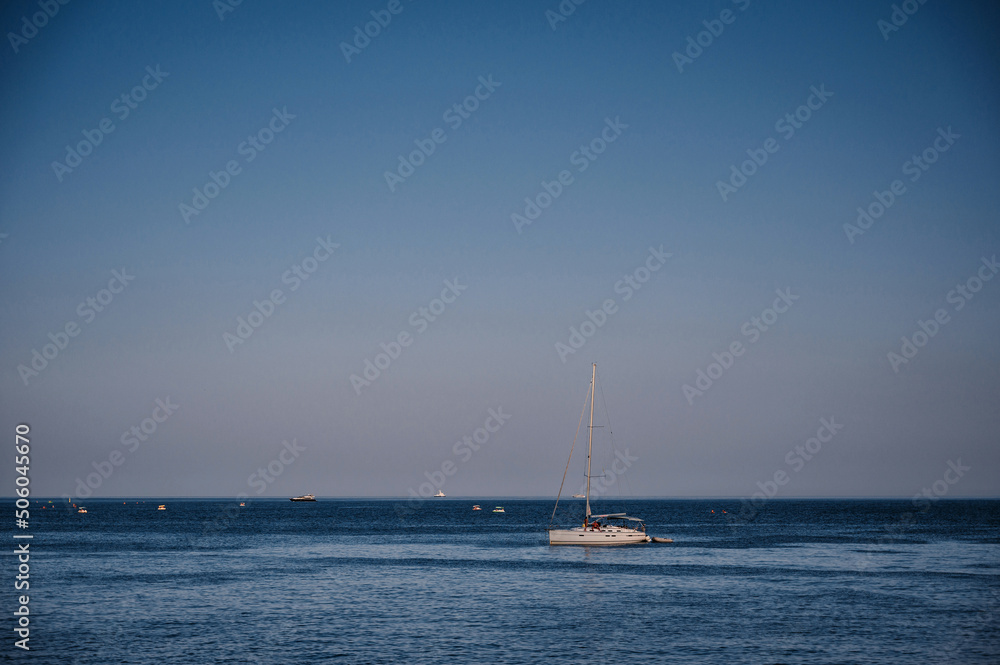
(304, 497)
(610, 529)
(81, 510)
(498, 509)
(579, 496)
(439, 494)
(242, 504)
(162, 506)
(476, 507)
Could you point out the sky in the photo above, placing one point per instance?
(474, 202)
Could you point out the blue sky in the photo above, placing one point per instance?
(323, 176)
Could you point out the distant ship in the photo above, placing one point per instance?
(476, 507)
(162, 506)
(498, 509)
(304, 497)
(439, 494)
(81, 510)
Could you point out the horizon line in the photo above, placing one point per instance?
(509, 498)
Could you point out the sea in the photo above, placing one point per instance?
(433, 581)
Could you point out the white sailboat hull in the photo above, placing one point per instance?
(604, 536)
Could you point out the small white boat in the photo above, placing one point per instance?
(81, 510)
(304, 497)
(439, 494)
(476, 507)
(499, 509)
(579, 496)
(162, 506)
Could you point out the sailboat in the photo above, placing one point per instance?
(609, 529)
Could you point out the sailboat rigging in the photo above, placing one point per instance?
(609, 529)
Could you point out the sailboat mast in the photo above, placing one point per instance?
(590, 440)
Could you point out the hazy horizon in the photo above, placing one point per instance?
(450, 497)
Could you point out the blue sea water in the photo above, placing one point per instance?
(363, 581)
